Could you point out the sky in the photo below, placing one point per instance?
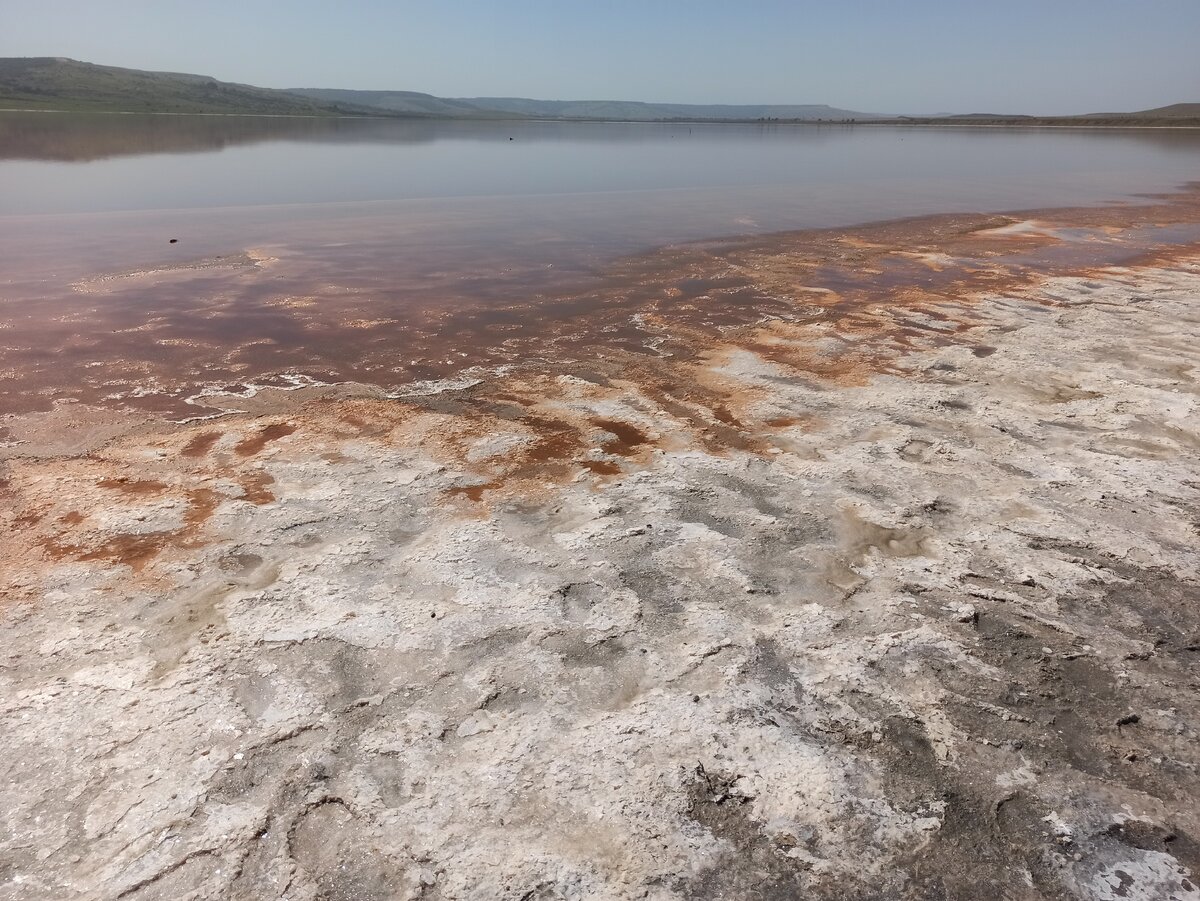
(887, 56)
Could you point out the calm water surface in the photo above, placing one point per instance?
(84, 191)
(396, 251)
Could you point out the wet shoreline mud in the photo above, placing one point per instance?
(160, 339)
(846, 563)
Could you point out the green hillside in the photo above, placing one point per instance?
(405, 103)
(55, 83)
(48, 83)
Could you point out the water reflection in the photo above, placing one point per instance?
(85, 137)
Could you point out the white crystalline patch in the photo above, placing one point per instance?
(1022, 775)
(210, 395)
(1151, 876)
(475, 724)
(694, 531)
(1060, 828)
(144, 519)
(748, 366)
(494, 446)
(435, 386)
(119, 676)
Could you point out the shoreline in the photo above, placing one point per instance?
(383, 115)
(781, 571)
(637, 306)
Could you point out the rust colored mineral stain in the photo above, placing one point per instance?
(29, 518)
(601, 467)
(557, 441)
(200, 445)
(255, 488)
(135, 551)
(138, 550)
(133, 487)
(723, 415)
(474, 492)
(252, 445)
(628, 437)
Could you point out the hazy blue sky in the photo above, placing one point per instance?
(1044, 56)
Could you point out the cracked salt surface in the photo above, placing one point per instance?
(897, 657)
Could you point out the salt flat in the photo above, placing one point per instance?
(863, 568)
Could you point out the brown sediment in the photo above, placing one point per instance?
(256, 487)
(601, 467)
(29, 518)
(556, 441)
(248, 447)
(136, 550)
(627, 438)
(135, 487)
(200, 445)
(474, 492)
(725, 416)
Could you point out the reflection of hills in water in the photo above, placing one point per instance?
(82, 137)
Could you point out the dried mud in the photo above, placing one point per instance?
(825, 565)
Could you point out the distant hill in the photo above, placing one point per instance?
(1178, 115)
(414, 104)
(55, 83)
(1174, 111)
(407, 103)
(986, 116)
(632, 110)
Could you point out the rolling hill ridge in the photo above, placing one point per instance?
(60, 84)
(57, 83)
